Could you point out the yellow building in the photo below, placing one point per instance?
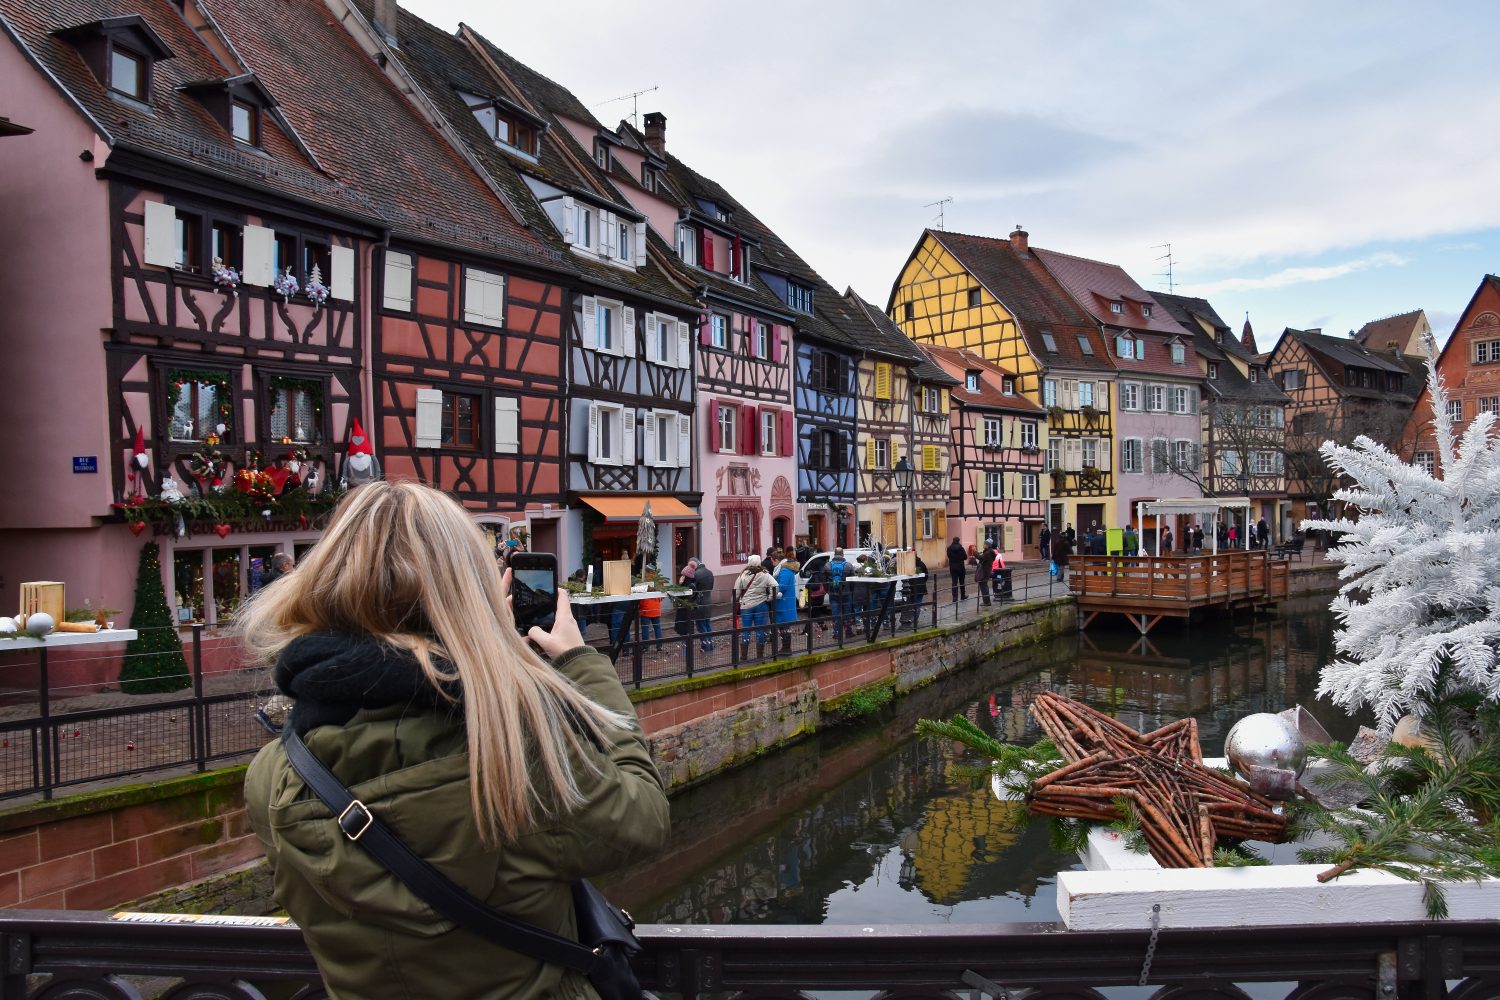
(994, 297)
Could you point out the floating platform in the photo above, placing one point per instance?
(1146, 589)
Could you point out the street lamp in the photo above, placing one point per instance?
(903, 483)
(1245, 492)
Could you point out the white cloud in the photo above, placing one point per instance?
(1296, 275)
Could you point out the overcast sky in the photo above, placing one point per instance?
(1315, 164)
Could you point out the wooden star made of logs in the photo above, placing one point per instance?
(1183, 807)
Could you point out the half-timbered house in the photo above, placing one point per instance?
(1470, 366)
(896, 382)
(621, 327)
(1158, 385)
(997, 445)
(1243, 422)
(995, 298)
(1338, 389)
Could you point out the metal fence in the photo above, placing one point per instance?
(719, 637)
(71, 724)
(73, 956)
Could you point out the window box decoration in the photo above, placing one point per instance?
(208, 464)
(222, 408)
(287, 285)
(248, 508)
(1055, 413)
(316, 291)
(226, 278)
(1090, 415)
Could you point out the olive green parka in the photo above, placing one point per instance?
(371, 936)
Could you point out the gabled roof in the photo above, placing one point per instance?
(897, 344)
(959, 361)
(1095, 284)
(1031, 295)
(1334, 355)
(1379, 333)
(1230, 383)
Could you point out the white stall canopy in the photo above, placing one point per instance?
(1209, 507)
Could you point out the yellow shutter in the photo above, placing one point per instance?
(889, 530)
(941, 524)
(1007, 536)
(869, 453)
(895, 452)
(882, 380)
(930, 460)
(944, 397)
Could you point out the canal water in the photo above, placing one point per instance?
(868, 824)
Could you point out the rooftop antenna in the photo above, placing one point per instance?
(940, 205)
(1171, 283)
(635, 103)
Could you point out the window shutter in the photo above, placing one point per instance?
(161, 234)
(627, 438)
(651, 431)
(940, 523)
(777, 347)
(981, 486)
(706, 250)
(1102, 454)
(640, 244)
(882, 380)
(593, 433)
(494, 298)
(648, 327)
(397, 290)
(1072, 454)
(684, 441)
(627, 332)
(978, 430)
(788, 434)
(1012, 484)
(749, 430)
(1101, 396)
(341, 277)
(607, 237)
(429, 418)
(706, 331)
(570, 220)
(507, 425)
(684, 346)
(589, 323)
(714, 444)
(869, 453)
(259, 245)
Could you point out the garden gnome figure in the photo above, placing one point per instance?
(361, 466)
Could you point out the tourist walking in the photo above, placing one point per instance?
(397, 647)
(1197, 538)
(1263, 531)
(703, 596)
(1132, 541)
(958, 570)
(984, 570)
(839, 597)
(786, 604)
(1165, 546)
(1046, 542)
(1062, 548)
(754, 590)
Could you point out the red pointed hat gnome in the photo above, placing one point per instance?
(361, 466)
(138, 459)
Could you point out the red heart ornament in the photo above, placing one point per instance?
(136, 527)
(223, 530)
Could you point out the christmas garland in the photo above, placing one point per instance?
(178, 377)
(312, 387)
(245, 510)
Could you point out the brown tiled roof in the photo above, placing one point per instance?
(1032, 296)
(1230, 383)
(959, 361)
(1376, 334)
(1095, 284)
(1336, 354)
(897, 344)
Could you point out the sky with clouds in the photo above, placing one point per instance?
(1312, 164)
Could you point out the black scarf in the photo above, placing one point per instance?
(332, 675)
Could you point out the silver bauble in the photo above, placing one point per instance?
(8, 626)
(1265, 740)
(40, 624)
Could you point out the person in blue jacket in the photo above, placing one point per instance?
(840, 596)
(785, 611)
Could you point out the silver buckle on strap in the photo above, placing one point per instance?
(351, 817)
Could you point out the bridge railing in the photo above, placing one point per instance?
(73, 956)
(1192, 580)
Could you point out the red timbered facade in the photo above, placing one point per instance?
(1470, 367)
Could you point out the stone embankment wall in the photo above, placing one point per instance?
(100, 850)
(1320, 579)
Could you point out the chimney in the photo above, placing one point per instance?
(1018, 239)
(386, 12)
(656, 132)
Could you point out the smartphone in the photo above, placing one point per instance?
(533, 589)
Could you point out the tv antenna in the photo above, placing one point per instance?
(1171, 281)
(940, 205)
(635, 103)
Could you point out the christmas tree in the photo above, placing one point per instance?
(1419, 608)
(153, 660)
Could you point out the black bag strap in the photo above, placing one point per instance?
(360, 825)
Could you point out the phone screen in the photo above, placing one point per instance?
(533, 592)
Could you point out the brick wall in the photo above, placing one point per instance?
(99, 850)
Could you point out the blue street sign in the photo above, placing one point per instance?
(85, 463)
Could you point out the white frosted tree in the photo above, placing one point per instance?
(1419, 607)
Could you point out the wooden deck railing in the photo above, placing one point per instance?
(1184, 581)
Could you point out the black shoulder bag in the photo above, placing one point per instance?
(604, 959)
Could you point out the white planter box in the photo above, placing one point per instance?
(57, 639)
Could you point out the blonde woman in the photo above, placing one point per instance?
(512, 775)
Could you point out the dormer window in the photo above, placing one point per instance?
(1008, 386)
(1085, 345)
(799, 297)
(601, 156)
(687, 244)
(1048, 343)
(1213, 369)
(1130, 347)
(1146, 311)
(236, 102)
(244, 123)
(971, 381)
(1117, 307)
(120, 51)
(509, 125)
(1179, 353)
(1255, 373)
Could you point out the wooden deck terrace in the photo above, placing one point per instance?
(1147, 589)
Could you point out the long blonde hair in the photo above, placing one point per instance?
(402, 563)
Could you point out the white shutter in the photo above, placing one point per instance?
(570, 220)
(589, 325)
(341, 273)
(161, 234)
(684, 346)
(259, 244)
(627, 332)
(507, 425)
(607, 237)
(627, 438)
(640, 244)
(1102, 454)
(484, 297)
(684, 440)
(397, 292)
(494, 299)
(593, 433)
(648, 328)
(650, 458)
(1072, 454)
(429, 418)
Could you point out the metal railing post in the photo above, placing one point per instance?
(200, 710)
(44, 692)
(734, 632)
(636, 667)
(693, 638)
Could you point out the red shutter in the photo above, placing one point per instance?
(749, 424)
(706, 331)
(787, 444)
(750, 335)
(776, 342)
(737, 258)
(713, 425)
(706, 245)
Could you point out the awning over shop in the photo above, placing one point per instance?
(620, 510)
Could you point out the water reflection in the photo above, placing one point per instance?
(872, 826)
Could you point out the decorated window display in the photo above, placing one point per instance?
(296, 410)
(199, 403)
